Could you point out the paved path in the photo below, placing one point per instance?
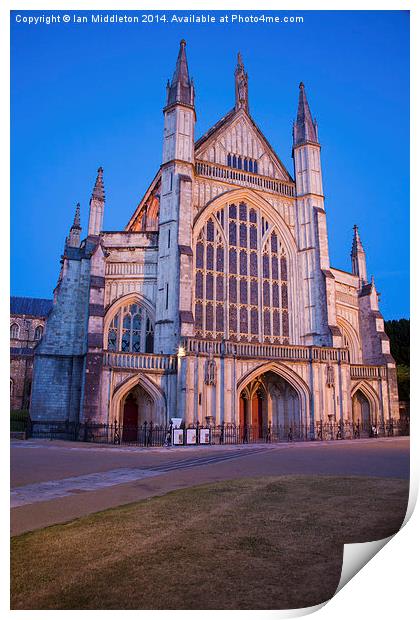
(55, 481)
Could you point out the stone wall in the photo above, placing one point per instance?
(59, 358)
(21, 358)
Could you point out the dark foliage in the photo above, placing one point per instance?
(399, 335)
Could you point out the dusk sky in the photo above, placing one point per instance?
(85, 95)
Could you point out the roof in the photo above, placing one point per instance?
(32, 306)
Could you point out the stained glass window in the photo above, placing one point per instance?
(220, 260)
(131, 330)
(243, 263)
(241, 279)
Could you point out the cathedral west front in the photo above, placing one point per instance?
(216, 303)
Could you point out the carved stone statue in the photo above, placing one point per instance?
(210, 372)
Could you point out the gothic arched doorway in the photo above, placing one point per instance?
(137, 408)
(271, 407)
(130, 418)
(361, 412)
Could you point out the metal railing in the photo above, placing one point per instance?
(153, 435)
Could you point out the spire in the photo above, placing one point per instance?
(304, 129)
(73, 240)
(96, 205)
(357, 243)
(98, 190)
(241, 85)
(181, 89)
(358, 257)
(76, 221)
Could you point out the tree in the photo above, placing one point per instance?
(398, 332)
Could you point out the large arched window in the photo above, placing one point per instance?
(131, 330)
(14, 331)
(241, 278)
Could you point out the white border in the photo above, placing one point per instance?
(387, 586)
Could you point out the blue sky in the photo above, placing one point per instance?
(85, 95)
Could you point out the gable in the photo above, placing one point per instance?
(237, 134)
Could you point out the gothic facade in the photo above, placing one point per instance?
(217, 302)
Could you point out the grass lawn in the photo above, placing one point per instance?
(261, 543)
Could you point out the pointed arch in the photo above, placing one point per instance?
(123, 389)
(371, 396)
(251, 197)
(258, 244)
(127, 301)
(288, 375)
(350, 340)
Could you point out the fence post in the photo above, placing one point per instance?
(28, 431)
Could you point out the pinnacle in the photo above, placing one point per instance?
(304, 129)
(180, 89)
(357, 243)
(98, 190)
(76, 221)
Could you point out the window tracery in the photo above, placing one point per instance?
(131, 330)
(241, 278)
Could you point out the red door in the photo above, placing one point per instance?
(130, 419)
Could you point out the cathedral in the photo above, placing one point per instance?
(217, 303)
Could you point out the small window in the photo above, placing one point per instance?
(14, 331)
(169, 238)
(245, 164)
(234, 161)
(255, 167)
(240, 163)
(38, 332)
(229, 159)
(167, 296)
